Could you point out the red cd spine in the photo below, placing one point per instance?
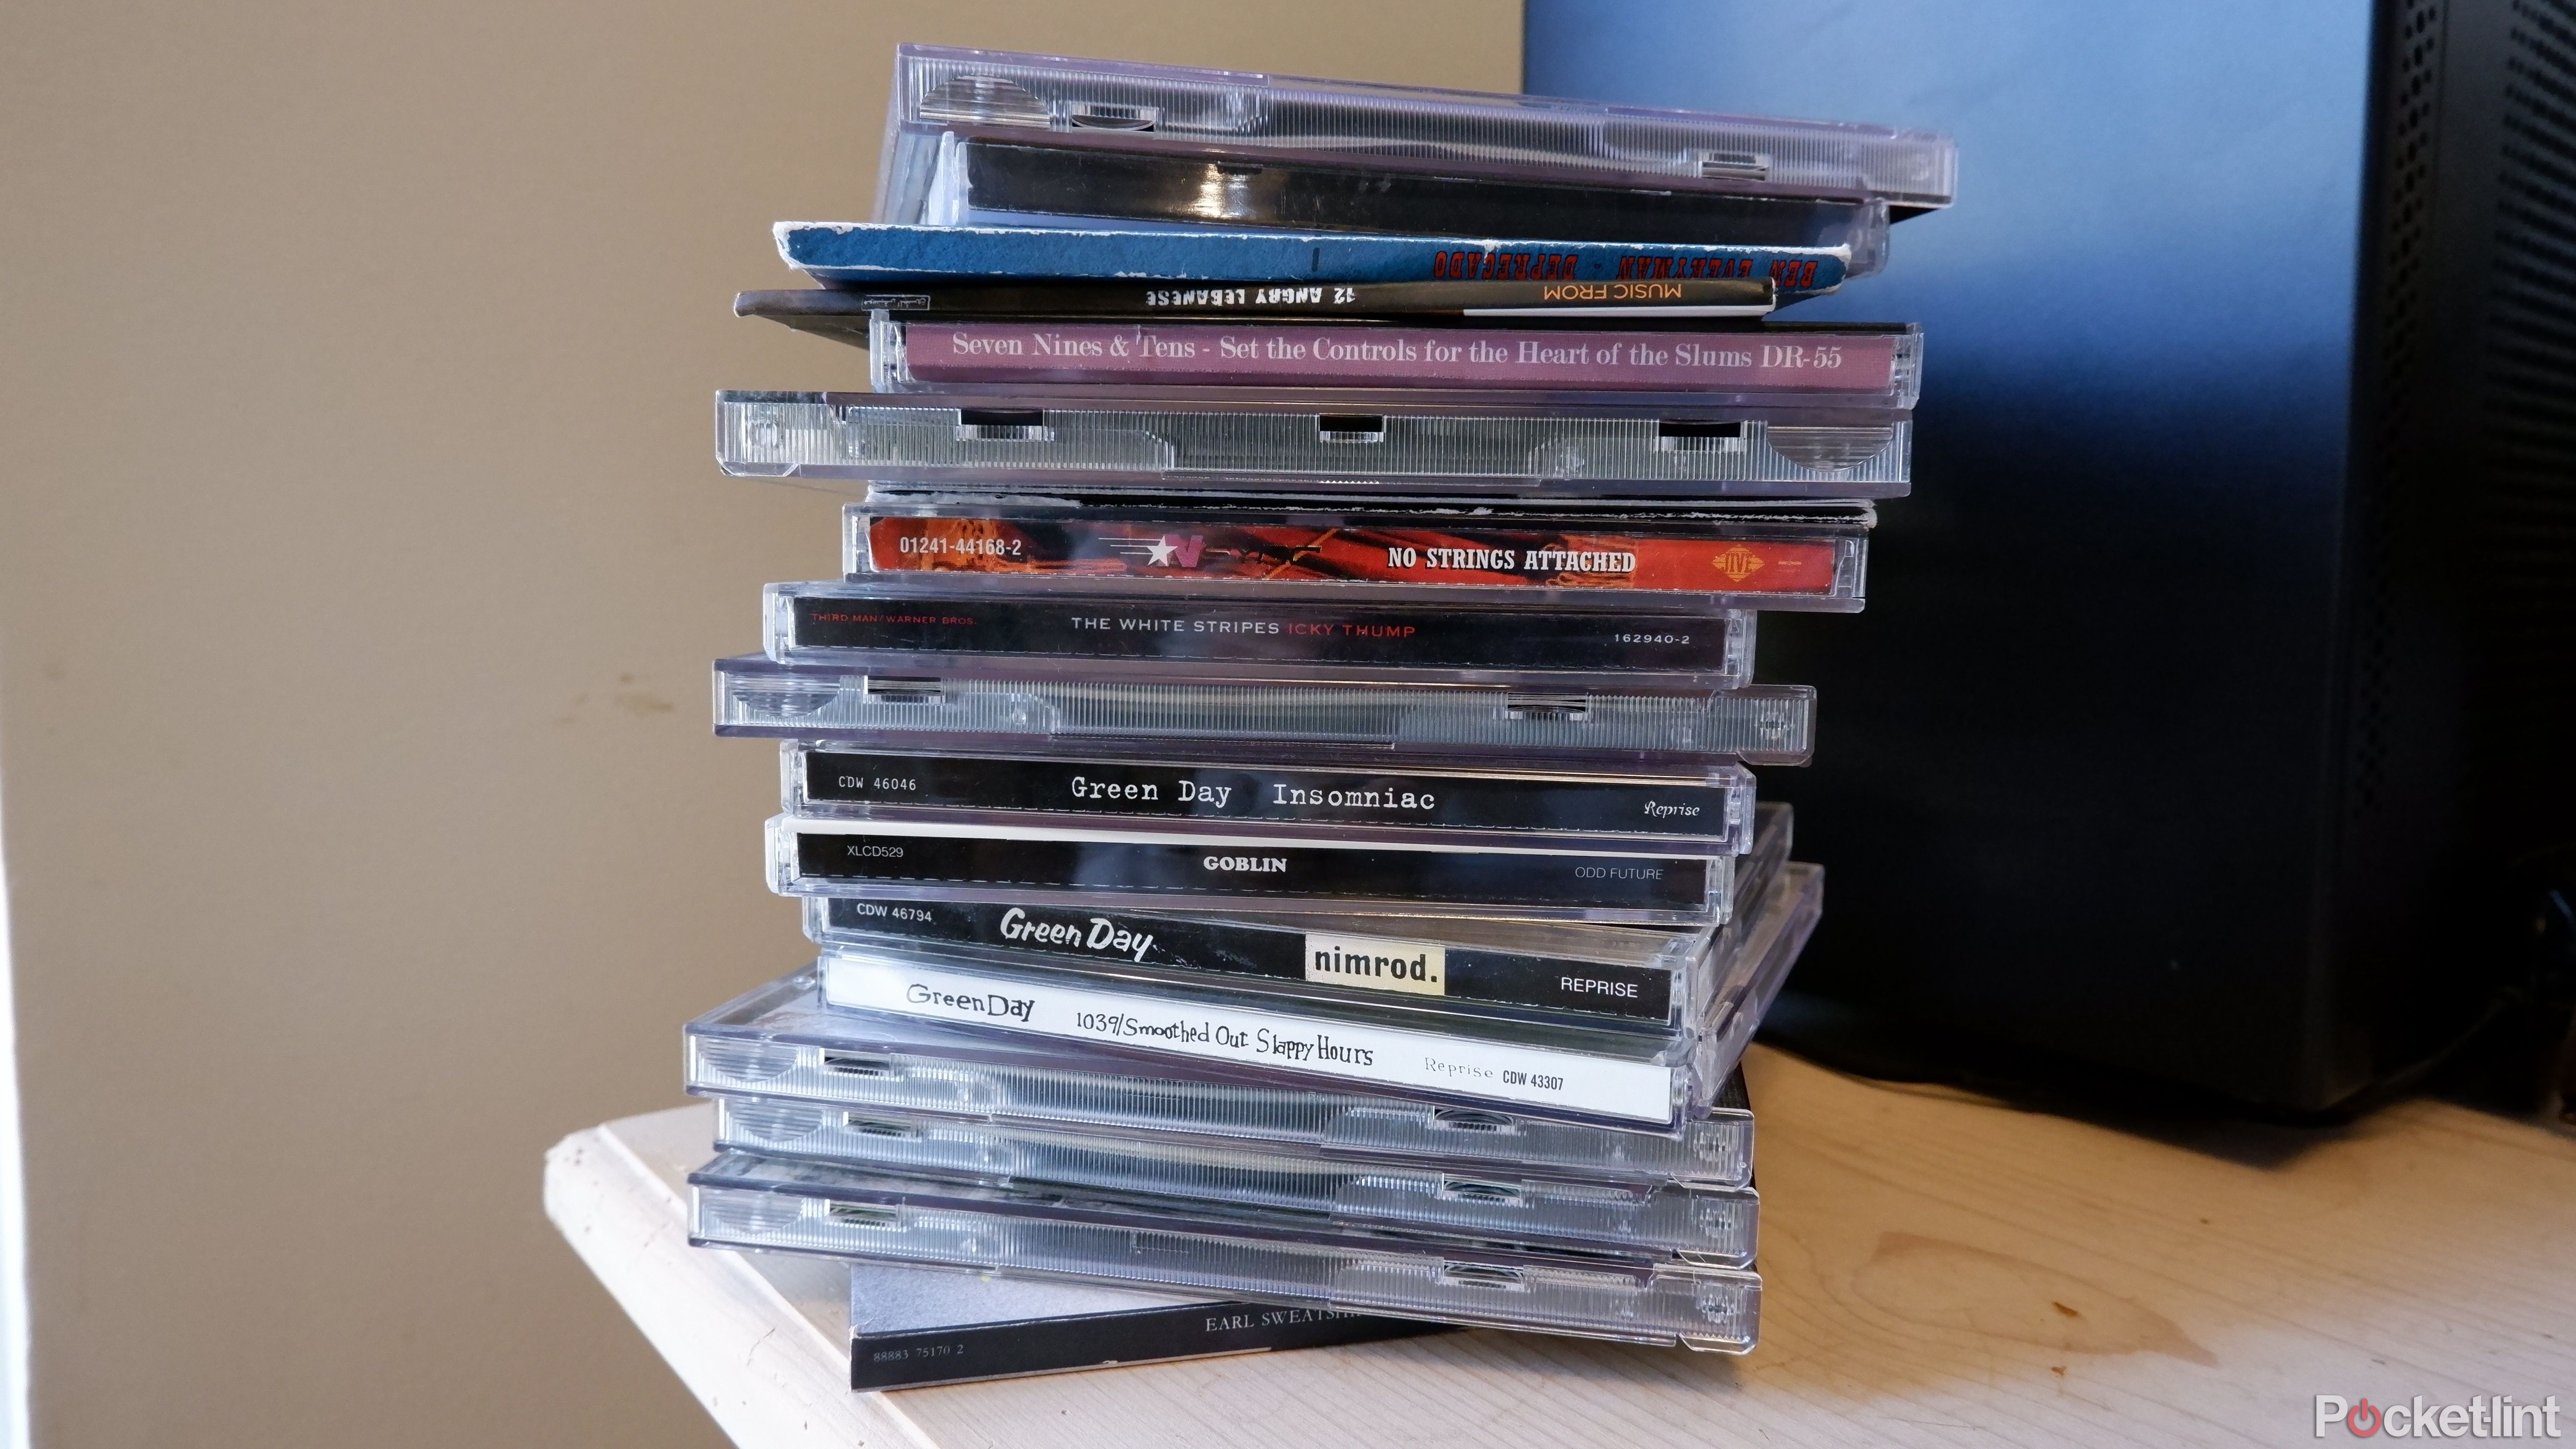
(1284, 553)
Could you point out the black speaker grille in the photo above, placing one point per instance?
(2402, 286)
(2526, 530)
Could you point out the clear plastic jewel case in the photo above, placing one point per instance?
(1701, 1225)
(1653, 1081)
(1705, 809)
(974, 133)
(1401, 362)
(1758, 725)
(1514, 968)
(1359, 446)
(1065, 865)
(782, 1041)
(939, 622)
(1802, 557)
(999, 176)
(936, 87)
(746, 1202)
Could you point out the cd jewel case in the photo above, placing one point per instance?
(996, 177)
(1363, 445)
(745, 1202)
(1660, 977)
(1617, 1078)
(941, 86)
(1407, 361)
(916, 623)
(1272, 788)
(1614, 1077)
(1066, 866)
(1700, 1225)
(780, 1041)
(1780, 556)
(1706, 809)
(939, 90)
(756, 696)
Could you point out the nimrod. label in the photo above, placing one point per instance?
(1377, 965)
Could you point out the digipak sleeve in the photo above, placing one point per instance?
(914, 1328)
(873, 254)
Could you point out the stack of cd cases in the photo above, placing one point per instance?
(1273, 790)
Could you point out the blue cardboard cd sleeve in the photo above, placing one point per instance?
(879, 254)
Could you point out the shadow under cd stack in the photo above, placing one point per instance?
(1274, 790)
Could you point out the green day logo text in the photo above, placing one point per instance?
(1099, 934)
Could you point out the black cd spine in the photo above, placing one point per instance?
(1249, 951)
(1204, 794)
(1053, 1345)
(1359, 877)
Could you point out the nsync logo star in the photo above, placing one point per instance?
(1160, 553)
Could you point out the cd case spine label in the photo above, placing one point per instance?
(1455, 555)
(814, 859)
(1221, 948)
(1349, 1053)
(1183, 354)
(826, 620)
(972, 1352)
(843, 314)
(879, 253)
(1717, 814)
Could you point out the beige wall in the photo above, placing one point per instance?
(360, 562)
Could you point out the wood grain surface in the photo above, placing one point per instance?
(1945, 1270)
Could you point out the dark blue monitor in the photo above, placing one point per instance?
(2170, 747)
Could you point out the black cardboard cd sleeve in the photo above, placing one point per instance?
(914, 1327)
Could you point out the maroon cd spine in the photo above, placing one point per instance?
(1855, 365)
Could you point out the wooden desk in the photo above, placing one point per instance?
(1939, 1270)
